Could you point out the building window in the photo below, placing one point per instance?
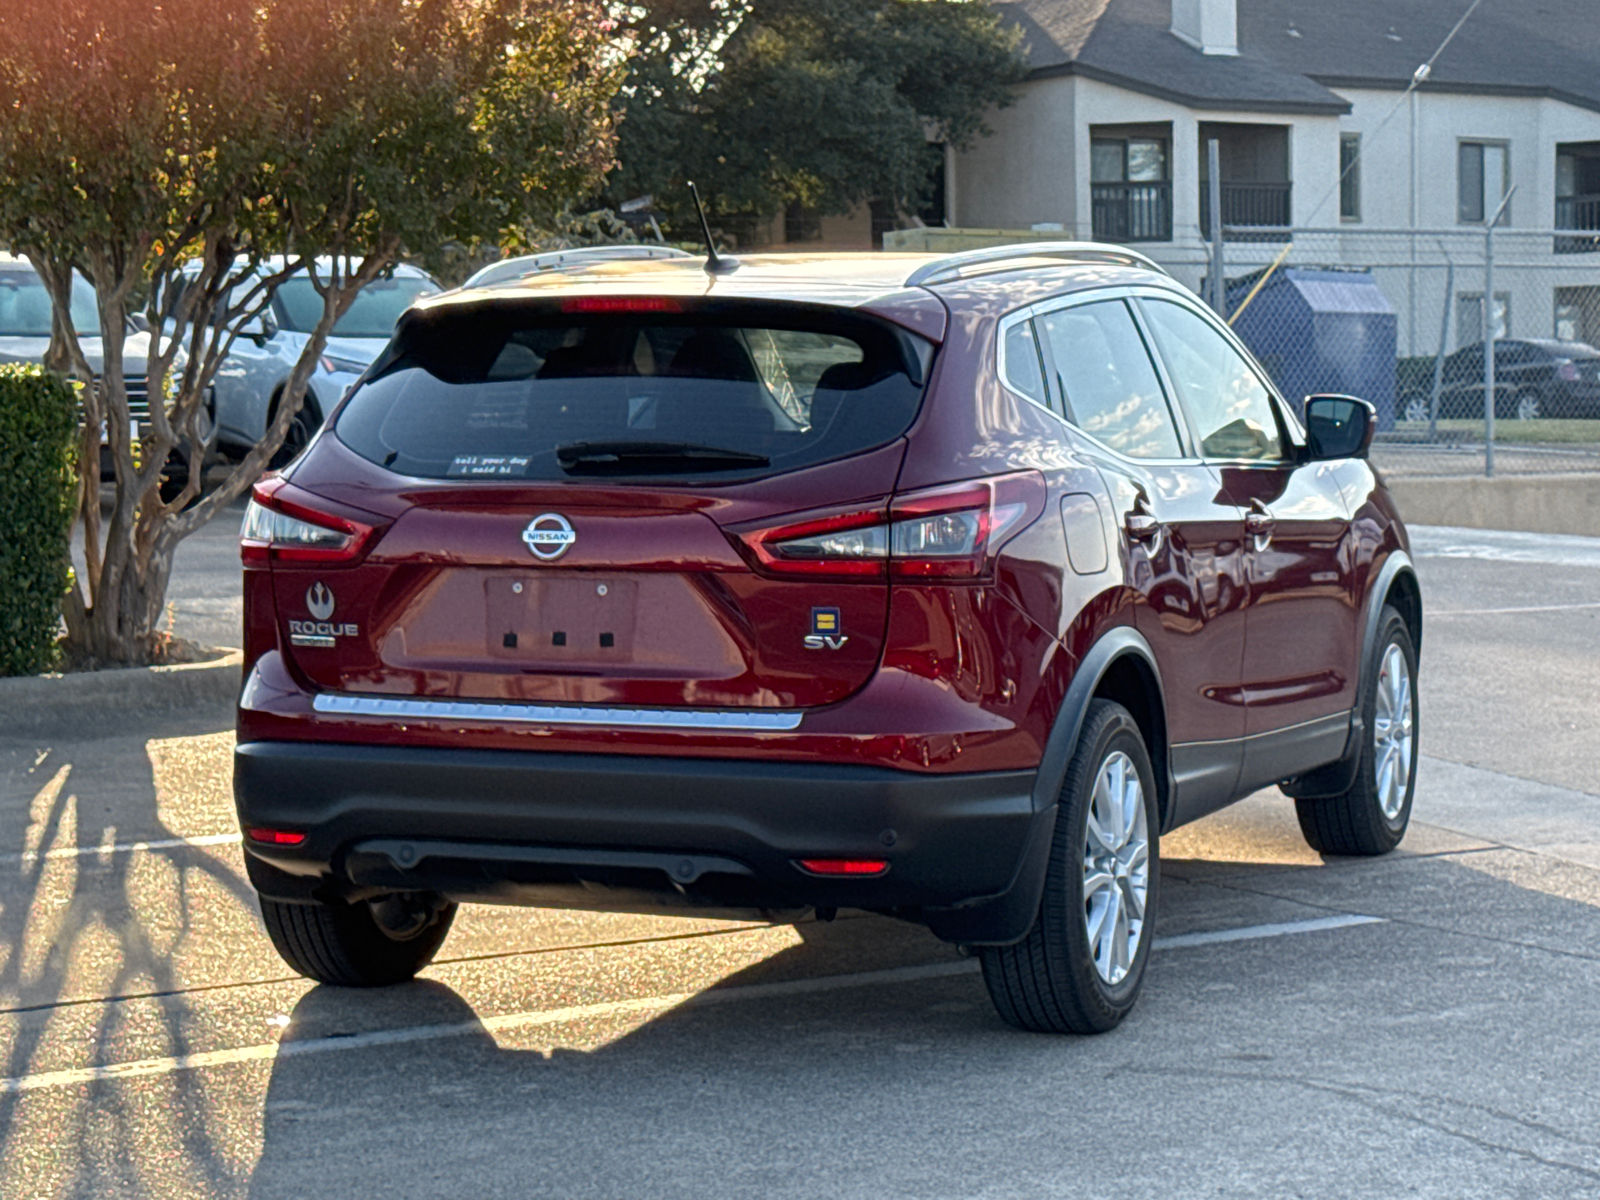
(801, 224)
(1130, 189)
(1578, 314)
(1350, 177)
(884, 220)
(1483, 172)
(1569, 322)
(1469, 317)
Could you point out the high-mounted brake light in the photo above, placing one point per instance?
(277, 528)
(845, 866)
(621, 304)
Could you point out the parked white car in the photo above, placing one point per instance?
(250, 381)
(25, 338)
(508, 270)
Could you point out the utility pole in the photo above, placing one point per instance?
(1488, 333)
(1219, 293)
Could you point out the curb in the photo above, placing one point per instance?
(86, 700)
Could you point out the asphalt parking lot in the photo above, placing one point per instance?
(1426, 1024)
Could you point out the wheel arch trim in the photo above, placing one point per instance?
(1121, 643)
(1336, 777)
(1397, 571)
(1006, 918)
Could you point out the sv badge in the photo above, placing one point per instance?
(818, 641)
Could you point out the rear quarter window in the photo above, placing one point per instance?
(481, 393)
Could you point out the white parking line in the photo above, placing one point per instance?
(1251, 932)
(33, 856)
(1435, 613)
(646, 1005)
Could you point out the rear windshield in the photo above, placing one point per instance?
(737, 391)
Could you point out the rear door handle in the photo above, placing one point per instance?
(1141, 527)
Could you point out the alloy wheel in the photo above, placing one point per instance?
(1116, 868)
(1393, 732)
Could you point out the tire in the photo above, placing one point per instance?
(174, 479)
(349, 946)
(301, 429)
(1372, 816)
(1053, 981)
(1525, 405)
(1414, 408)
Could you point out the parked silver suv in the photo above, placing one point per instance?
(252, 378)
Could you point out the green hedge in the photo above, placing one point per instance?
(38, 434)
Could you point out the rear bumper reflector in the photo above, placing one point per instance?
(555, 714)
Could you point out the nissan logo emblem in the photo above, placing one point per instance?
(549, 536)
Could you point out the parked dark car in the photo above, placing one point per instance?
(1534, 377)
(937, 587)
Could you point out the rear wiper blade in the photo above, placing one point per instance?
(647, 456)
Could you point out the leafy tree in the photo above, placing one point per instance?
(261, 137)
(829, 103)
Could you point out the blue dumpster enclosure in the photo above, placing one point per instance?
(1321, 329)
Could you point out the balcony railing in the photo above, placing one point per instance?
(1578, 212)
(1260, 204)
(1132, 212)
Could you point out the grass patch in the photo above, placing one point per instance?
(1546, 432)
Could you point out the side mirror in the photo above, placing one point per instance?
(259, 328)
(1338, 427)
(138, 322)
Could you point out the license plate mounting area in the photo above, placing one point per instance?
(561, 620)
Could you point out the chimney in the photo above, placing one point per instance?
(1210, 26)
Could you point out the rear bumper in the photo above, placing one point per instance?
(634, 833)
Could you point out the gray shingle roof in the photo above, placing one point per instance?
(1517, 47)
(1291, 52)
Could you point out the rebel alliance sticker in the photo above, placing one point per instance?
(319, 631)
(549, 536)
(319, 601)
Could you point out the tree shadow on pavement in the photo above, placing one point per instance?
(85, 932)
(892, 1089)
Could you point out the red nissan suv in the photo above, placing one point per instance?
(936, 587)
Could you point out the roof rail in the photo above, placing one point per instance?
(955, 266)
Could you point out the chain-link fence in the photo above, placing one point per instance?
(1397, 317)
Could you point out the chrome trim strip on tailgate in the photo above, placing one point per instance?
(553, 714)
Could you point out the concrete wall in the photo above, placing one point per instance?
(1539, 504)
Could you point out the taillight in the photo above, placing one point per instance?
(955, 532)
(1568, 370)
(950, 532)
(278, 528)
(852, 544)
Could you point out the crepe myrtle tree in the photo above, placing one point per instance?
(253, 139)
